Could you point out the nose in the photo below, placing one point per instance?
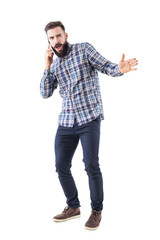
(56, 40)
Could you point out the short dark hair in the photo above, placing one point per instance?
(52, 25)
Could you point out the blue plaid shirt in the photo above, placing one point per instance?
(77, 77)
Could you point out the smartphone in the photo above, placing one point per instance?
(50, 46)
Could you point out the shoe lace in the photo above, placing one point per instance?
(94, 215)
(65, 209)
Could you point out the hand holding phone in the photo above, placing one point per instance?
(50, 46)
(48, 57)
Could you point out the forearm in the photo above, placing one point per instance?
(111, 69)
(48, 84)
(100, 63)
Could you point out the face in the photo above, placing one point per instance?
(58, 40)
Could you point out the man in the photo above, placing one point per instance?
(75, 71)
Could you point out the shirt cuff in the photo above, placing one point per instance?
(46, 72)
(118, 71)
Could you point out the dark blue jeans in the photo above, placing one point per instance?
(66, 142)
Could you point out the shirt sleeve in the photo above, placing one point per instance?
(100, 63)
(48, 84)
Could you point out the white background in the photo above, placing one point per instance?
(130, 134)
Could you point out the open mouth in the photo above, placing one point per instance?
(58, 47)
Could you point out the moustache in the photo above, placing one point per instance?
(58, 45)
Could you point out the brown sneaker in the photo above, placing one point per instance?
(68, 213)
(94, 220)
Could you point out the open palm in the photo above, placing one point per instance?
(128, 65)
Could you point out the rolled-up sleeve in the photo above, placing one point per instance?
(100, 63)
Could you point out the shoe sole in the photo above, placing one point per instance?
(91, 229)
(66, 219)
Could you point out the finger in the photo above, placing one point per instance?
(133, 69)
(131, 60)
(123, 56)
(134, 61)
(50, 54)
(134, 64)
(49, 51)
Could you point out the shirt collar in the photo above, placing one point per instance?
(69, 49)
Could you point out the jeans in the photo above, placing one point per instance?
(66, 142)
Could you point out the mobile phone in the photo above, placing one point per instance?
(50, 46)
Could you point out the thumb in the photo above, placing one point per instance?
(123, 56)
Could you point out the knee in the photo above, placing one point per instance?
(93, 169)
(62, 166)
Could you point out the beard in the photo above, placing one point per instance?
(64, 50)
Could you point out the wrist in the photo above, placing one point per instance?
(120, 71)
(47, 68)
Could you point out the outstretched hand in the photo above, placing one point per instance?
(128, 65)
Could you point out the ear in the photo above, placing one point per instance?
(66, 35)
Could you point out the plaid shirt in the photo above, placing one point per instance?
(77, 77)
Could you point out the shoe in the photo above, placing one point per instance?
(94, 220)
(67, 214)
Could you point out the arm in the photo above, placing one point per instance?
(48, 84)
(100, 63)
(105, 66)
